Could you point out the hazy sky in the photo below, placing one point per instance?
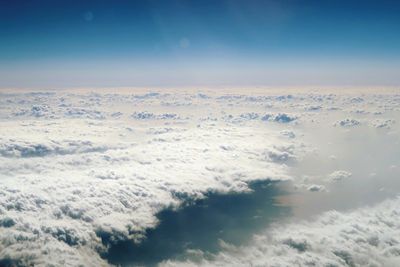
(190, 43)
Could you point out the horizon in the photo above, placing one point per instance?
(199, 133)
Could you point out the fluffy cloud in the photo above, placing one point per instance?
(280, 118)
(348, 123)
(144, 115)
(339, 175)
(75, 166)
(365, 237)
(67, 181)
(315, 188)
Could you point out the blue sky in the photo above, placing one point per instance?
(191, 43)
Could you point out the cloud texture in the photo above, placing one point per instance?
(365, 237)
(75, 166)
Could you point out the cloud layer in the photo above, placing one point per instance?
(365, 237)
(76, 166)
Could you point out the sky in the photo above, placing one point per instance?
(57, 44)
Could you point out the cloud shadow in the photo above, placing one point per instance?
(200, 224)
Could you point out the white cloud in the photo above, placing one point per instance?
(67, 178)
(365, 237)
(339, 175)
(280, 117)
(383, 123)
(73, 165)
(348, 123)
(316, 188)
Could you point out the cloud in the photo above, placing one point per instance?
(280, 118)
(69, 180)
(365, 237)
(25, 149)
(383, 123)
(316, 188)
(280, 154)
(288, 134)
(78, 166)
(348, 123)
(339, 175)
(144, 115)
(84, 113)
(35, 111)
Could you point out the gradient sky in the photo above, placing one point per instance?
(199, 43)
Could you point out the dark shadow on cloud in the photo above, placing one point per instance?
(11, 263)
(200, 224)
